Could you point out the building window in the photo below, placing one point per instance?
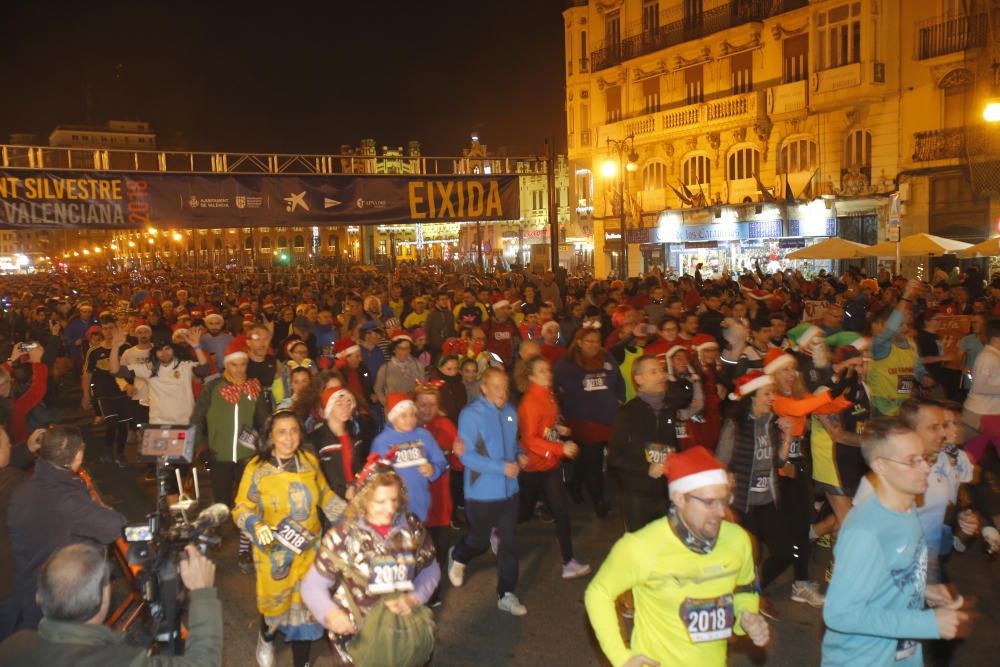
(331, 241)
(654, 176)
(956, 86)
(613, 102)
(838, 32)
(651, 94)
(583, 51)
(282, 242)
(650, 16)
(248, 243)
(694, 84)
(613, 31)
(697, 170)
(795, 53)
(300, 243)
(743, 163)
(858, 151)
(583, 186)
(798, 155)
(265, 243)
(741, 72)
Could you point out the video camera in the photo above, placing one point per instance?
(158, 544)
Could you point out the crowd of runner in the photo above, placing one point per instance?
(373, 434)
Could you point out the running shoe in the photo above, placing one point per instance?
(510, 604)
(265, 652)
(456, 570)
(573, 569)
(825, 541)
(807, 592)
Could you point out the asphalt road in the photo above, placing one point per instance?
(471, 631)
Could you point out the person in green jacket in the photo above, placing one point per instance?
(74, 592)
(227, 415)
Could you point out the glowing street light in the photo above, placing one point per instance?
(991, 112)
(608, 168)
(177, 236)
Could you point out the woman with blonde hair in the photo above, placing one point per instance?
(375, 569)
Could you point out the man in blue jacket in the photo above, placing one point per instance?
(492, 460)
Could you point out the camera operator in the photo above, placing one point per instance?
(52, 509)
(75, 595)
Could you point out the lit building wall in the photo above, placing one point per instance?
(830, 98)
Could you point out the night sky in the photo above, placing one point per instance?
(290, 76)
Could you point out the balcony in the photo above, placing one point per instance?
(941, 37)
(675, 28)
(727, 112)
(946, 144)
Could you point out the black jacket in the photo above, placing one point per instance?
(50, 510)
(636, 425)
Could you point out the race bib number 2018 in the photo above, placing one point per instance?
(410, 455)
(390, 574)
(292, 535)
(708, 620)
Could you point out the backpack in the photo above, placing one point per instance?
(387, 639)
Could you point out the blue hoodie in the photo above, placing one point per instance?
(490, 437)
(417, 486)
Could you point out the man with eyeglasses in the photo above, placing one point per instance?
(879, 603)
(691, 572)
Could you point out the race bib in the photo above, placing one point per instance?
(594, 383)
(681, 429)
(292, 535)
(247, 438)
(905, 648)
(409, 455)
(761, 482)
(904, 384)
(708, 620)
(657, 453)
(795, 449)
(389, 574)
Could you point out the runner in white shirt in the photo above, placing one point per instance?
(138, 391)
(171, 396)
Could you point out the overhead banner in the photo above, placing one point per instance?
(37, 199)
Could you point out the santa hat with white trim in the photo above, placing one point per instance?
(670, 358)
(749, 383)
(804, 335)
(236, 350)
(345, 347)
(397, 403)
(776, 359)
(693, 469)
(704, 341)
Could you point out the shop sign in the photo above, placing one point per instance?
(792, 243)
(820, 227)
(612, 236)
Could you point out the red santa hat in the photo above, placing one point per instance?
(776, 359)
(345, 347)
(501, 303)
(397, 403)
(142, 324)
(749, 383)
(693, 469)
(331, 396)
(704, 341)
(237, 349)
(248, 317)
(398, 335)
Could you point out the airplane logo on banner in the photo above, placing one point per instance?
(330, 203)
(295, 201)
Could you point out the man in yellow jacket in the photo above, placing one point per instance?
(691, 574)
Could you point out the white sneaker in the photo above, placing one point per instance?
(494, 541)
(574, 569)
(510, 604)
(265, 652)
(807, 592)
(456, 570)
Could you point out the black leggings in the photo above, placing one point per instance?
(588, 469)
(770, 527)
(548, 484)
(796, 507)
(300, 649)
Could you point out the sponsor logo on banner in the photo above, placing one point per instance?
(294, 201)
(370, 203)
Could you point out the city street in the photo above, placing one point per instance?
(471, 631)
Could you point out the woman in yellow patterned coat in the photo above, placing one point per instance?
(280, 497)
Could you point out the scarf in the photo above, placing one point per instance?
(654, 401)
(231, 392)
(690, 540)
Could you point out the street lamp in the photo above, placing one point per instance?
(991, 112)
(627, 162)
